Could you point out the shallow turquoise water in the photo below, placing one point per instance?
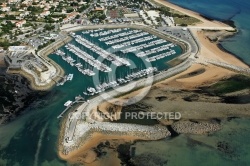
(202, 150)
(78, 85)
(32, 138)
(235, 10)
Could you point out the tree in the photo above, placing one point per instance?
(49, 27)
(69, 10)
(78, 16)
(183, 25)
(82, 8)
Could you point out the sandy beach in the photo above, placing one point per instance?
(85, 153)
(212, 51)
(204, 22)
(210, 74)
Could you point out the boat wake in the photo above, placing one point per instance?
(39, 144)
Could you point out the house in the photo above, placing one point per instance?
(45, 13)
(20, 24)
(2, 15)
(13, 1)
(5, 9)
(27, 2)
(132, 15)
(70, 17)
(23, 14)
(99, 8)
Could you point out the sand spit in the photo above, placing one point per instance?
(210, 50)
(207, 24)
(84, 134)
(86, 137)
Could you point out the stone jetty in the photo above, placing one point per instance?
(189, 127)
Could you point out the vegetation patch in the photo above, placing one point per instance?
(233, 84)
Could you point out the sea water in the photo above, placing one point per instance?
(32, 138)
(224, 10)
(229, 146)
(203, 150)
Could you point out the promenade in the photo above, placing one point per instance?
(238, 69)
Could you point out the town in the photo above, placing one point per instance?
(37, 23)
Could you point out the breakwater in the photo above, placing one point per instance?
(188, 127)
(71, 132)
(79, 124)
(34, 82)
(84, 130)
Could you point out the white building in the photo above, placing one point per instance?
(45, 13)
(168, 20)
(153, 15)
(5, 9)
(13, 1)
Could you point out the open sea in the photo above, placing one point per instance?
(31, 140)
(237, 11)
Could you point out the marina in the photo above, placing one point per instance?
(88, 58)
(106, 55)
(114, 57)
(40, 136)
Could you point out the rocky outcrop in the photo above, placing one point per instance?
(189, 127)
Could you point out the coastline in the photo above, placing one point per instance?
(43, 54)
(212, 51)
(212, 100)
(86, 140)
(219, 45)
(205, 22)
(93, 141)
(210, 76)
(31, 79)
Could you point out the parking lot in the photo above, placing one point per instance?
(182, 33)
(35, 41)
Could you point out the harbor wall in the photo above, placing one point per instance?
(43, 54)
(73, 120)
(84, 132)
